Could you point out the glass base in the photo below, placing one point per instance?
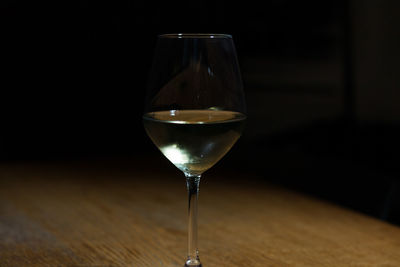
(192, 263)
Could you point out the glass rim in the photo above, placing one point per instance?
(195, 35)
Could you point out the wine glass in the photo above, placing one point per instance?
(195, 108)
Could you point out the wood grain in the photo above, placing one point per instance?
(68, 215)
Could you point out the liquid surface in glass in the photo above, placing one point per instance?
(194, 140)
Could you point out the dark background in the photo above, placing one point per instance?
(320, 77)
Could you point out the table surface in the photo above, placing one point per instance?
(74, 215)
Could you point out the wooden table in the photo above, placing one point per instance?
(79, 215)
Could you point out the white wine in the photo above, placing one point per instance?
(194, 140)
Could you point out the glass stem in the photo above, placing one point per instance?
(192, 183)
